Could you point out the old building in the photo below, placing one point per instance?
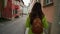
(10, 8)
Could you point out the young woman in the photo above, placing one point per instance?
(36, 21)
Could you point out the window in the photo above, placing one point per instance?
(5, 4)
(47, 2)
(14, 12)
(17, 0)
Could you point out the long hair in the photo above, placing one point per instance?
(36, 11)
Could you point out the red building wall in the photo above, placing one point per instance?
(8, 9)
(7, 13)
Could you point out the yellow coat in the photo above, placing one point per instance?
(45, 24)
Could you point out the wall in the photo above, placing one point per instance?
(7, 12)
(56, 25)
(48, 11)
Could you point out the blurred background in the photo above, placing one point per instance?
(13, 14)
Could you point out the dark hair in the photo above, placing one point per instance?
(36, 11)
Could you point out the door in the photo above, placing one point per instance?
(1, 7)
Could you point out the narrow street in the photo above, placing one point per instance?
(11, 9)
(16, 26)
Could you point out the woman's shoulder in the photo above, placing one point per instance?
(44, 17)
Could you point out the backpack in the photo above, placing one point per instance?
(37, 26)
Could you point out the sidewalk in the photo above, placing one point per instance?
(16, 26)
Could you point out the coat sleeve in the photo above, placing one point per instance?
(28, 22)
(45, 23)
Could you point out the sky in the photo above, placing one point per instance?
(26, 2)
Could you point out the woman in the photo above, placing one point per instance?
(36, 14)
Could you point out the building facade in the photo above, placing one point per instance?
(11, 8)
